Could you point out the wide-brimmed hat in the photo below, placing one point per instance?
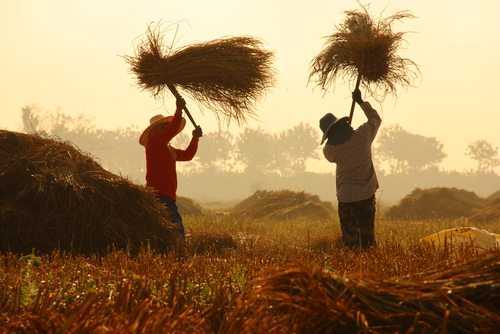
(155, 121)
(330, 124)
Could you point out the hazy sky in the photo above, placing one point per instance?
(66, 54)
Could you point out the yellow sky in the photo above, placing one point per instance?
(66, 54)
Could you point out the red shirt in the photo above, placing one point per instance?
(161, 158)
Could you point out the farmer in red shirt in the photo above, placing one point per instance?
(161, 157)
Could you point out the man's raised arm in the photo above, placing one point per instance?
(189, 153)
(374, 120)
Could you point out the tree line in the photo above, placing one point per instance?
(253, 153)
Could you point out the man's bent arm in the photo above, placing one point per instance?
(371, 114)
(189, 153)
(370, 128)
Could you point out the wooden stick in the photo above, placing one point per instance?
(174, 91)
(358, 82)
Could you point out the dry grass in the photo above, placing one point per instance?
(53, 197)
(271, 278)
(490, 212)
(227, 75)
(366, 47)
(189, 207)
(436, 203)
(313, 300)
(283, 205)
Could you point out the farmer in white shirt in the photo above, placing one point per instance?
(356, 180)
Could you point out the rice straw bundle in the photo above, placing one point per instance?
(464, 299)
(283, 205)
(53, 197)
(227, 75)
(366, 51)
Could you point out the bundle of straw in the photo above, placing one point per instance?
(53, 197)
(283, 205)
(227, 75)
(365, 51)
(465, 299)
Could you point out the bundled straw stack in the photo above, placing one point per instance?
(366, 50)
(227, 75)
(283, 205)
(304, 300)
(53, 197)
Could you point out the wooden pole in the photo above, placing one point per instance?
(358, 82)
(174, 91)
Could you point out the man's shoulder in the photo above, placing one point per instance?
(360, 134)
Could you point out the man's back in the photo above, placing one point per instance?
(355, 178)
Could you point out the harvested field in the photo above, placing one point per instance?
(436, 203)
(54, 197)
(312, 300)
(272, 266)
(283, 205)
(277, 284)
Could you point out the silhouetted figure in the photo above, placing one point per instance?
(161, 158)
(356, 180)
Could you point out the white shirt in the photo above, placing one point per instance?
(356, 179)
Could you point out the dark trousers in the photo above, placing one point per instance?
(174, 213)
(357, 221)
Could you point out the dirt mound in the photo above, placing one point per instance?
(436, 203)
(283, 205)
(188, 207)
(487, 214)
(53, 197)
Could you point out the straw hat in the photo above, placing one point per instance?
(330, 124)
(155, 121)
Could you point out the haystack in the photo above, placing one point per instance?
(490, 213)
(188, 207)
(493, 197)
(53, 197)
(465, 299)
(436, 203)
(283, 205)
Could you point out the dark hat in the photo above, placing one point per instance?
(330, 124)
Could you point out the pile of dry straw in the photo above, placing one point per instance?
(436, 203)
(283, 205)
(465, 299)
(53, 197)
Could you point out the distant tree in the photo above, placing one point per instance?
(118, 150)
(295, 146)
(407, 152)
(256, 149)
(215, 149)
(485, 154)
